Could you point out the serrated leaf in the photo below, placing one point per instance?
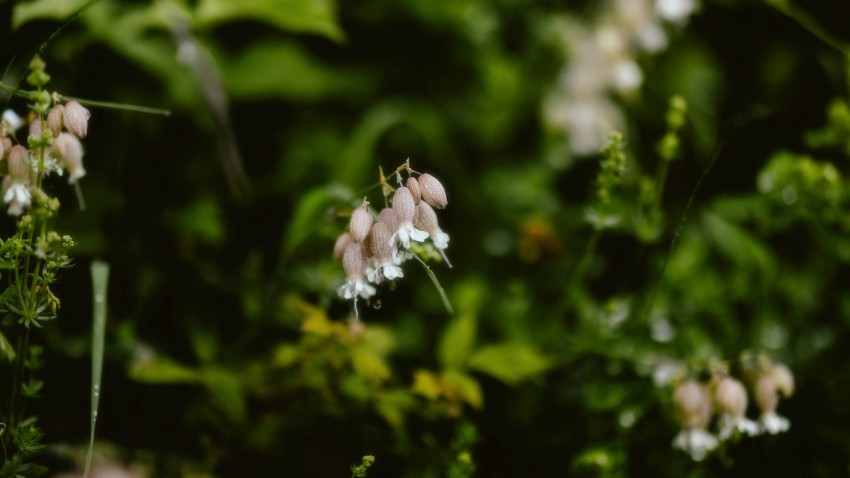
(304, 16)
(465, 386)
(510, 363)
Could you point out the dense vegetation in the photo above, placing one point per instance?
(642, 197)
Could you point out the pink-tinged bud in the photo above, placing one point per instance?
(69, 151)
(341, 244)
(379, 242)
(404, 206)
(19, 165)
(361, 222)
(413, 185)
(426, 218)
(765, 394)
(35, 128)
(76, 119)
(387, 216)
(54, 119)
(730, 397)
(783, 380)
(432, 191)
(693, 407)
(354, 261)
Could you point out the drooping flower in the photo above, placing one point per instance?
(767, 399)
(361, 223)
(730, 398)
(405, 211)
(382, 249)
(76, 119)
(354, 262)
(433, 191)
(426, 219)
(693, 411)
(16, 185)
(341, 245)
(68, 150)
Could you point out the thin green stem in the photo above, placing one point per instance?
(26, 94)
(660, 181)
(436, 282)
(809, 23)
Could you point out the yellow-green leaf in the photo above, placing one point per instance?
(465, 386)
(510, 363)
(305, 16)
(426, 384)
(369, 365)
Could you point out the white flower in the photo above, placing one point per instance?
(18, 197)
(772, 423)
(405, 210)
(697, 442)
(676, 11)
(729, 424)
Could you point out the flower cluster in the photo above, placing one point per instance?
(723, 400)
(602, 58)
(53, 145)
(376, 244)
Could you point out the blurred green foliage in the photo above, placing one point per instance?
(228, 351)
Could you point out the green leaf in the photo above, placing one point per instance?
(6, 349)
(510, 363)
(163, 370)
(738, 244)
(465, 386)
(458, 339)
(100, 283)
(304, 16)
(26, 12)
(200, 220)
(392, 405)
(284, 70)
(369, 365)
(226, 391)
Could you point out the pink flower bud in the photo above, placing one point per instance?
(730, 396)
(783, 380)
(379, 242)
(361, 222)
(19, 167)
(387, 216)
(426, 218)
(404, 206)
(35, 128)
(354, 260)
(341, 244)
(432, 191)
(76, 119)
(54, 119)
(765, 394)
(693, 407)
(413, 185)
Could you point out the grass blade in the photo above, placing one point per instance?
(99, 279)
(436, 282)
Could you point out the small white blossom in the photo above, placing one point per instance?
(18, 197)
(697, 442)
